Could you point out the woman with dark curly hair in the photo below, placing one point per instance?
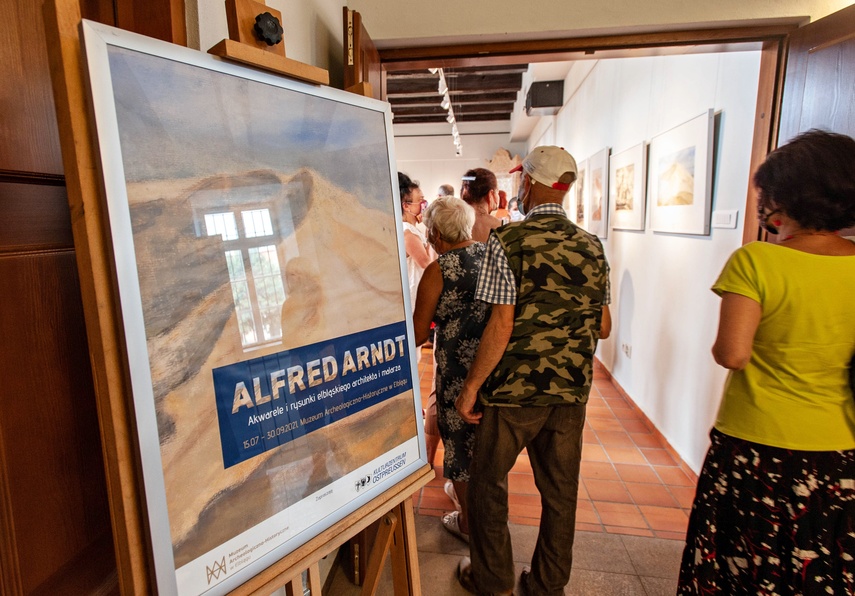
(774, 511)
(481, 190)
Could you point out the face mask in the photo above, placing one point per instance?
(521, 197)
(766, 224)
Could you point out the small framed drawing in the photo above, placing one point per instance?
(598, 193)
(680, 177)
(626, 188)
(578, 204)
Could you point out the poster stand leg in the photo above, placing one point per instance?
(397, 534)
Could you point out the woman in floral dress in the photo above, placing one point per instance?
(774, 511)
(446, 297)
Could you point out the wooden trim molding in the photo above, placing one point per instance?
(773, 62)
(161, 19)
(124, 487)
(565, 48)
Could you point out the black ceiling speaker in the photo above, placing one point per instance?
(544, 98)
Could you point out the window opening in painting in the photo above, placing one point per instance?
(268, 289)
(257, 223)
(221, 224)
(254, 274)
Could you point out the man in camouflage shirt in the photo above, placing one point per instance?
(548, 283)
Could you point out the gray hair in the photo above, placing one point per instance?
(451, 218)
(445, 190)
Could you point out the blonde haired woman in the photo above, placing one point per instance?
(446, 297)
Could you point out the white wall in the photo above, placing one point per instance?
(661, 302)
(313, 31)
(431, 159)
(394, 23)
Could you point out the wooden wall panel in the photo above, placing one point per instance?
(51, 444)
(29, 141)
(33, 217)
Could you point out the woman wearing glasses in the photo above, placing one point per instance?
(774, 511)
(415, 245)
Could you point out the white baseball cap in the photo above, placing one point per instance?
(550, 165)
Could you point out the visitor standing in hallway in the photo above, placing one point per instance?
(548, 283)
(774, 511)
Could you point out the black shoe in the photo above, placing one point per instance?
(525, 576)
(464, 575)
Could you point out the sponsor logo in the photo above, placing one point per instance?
(363, 482)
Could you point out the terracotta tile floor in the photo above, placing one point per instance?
(632, 482)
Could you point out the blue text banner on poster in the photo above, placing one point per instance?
(266, 402)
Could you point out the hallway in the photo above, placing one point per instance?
(631, 482)
(634, 502)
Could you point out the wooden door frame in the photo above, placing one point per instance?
(772, 39)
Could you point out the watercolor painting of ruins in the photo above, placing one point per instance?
(262, 221)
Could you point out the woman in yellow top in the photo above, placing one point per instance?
(774, 511)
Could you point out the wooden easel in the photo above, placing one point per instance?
(243, 45)
(103, 324)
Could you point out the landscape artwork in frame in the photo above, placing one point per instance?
(256, 231)
(680, 177)
(627, 171)
(577, 198)
(597, 181)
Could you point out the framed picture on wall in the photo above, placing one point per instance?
(597, 181)
(576, 201)
(680, 177)
(627, 173)
(274, 380)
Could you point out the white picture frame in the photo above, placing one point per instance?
(627, 176)
(576, 201)
(597, 182)
(225, 187)
(680, 177)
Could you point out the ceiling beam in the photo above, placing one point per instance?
(476, 84)
(500, 108)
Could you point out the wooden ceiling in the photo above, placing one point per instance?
(478, 93)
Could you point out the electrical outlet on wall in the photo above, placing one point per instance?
(627, 349)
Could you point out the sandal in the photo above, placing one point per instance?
(451, 522)
(452, 494)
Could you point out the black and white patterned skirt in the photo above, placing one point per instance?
(771, 521)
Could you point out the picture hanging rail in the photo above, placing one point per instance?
(273, 372)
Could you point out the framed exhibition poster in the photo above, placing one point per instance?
(627, 172)
(597, 181)
(680, 177)
(256, 236)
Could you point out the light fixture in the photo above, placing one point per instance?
(445, 104)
